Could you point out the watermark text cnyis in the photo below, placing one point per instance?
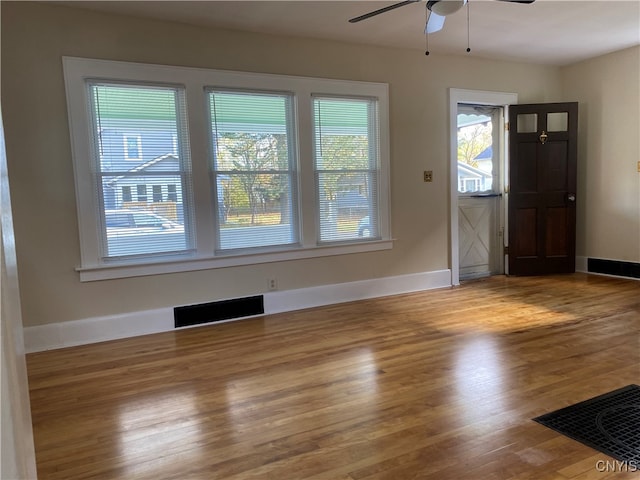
(617, 466)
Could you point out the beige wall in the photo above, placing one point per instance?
(608, 89)
(35, 36)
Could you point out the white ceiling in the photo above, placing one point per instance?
(553, 32)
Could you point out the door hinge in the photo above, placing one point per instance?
(506, 249)
(507, 126)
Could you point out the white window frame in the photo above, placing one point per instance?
(195, 81)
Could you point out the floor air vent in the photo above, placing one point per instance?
(614, 267)
(217, 311)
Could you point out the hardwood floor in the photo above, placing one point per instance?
(436, 385)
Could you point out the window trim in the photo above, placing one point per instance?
(195, 81)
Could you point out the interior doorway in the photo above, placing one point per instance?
(480, 186)
(477, 182)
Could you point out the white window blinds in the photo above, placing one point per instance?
(346, 167)
(142, 177)
(253, 169)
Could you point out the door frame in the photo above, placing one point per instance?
(476, 97)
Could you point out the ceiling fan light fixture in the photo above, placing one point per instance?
(445, 7)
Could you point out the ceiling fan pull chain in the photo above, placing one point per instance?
(468, 29)
(427, 14)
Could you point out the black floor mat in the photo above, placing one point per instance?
(610, 423)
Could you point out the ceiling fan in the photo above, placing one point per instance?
(438, 10)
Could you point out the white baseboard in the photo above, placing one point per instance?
(112, 327)
(97, 329)
(289, 300)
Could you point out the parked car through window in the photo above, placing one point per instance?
(132, 232)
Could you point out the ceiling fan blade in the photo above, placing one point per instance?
(381, 10)
(518, 1)
(434, 24)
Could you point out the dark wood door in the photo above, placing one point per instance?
(542, 188)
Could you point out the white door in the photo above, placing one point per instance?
(479, 190)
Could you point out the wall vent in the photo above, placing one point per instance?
(614, 267)
(211, 312)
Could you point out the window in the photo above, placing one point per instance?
(157, 193)
(346, 163)
(142, 193)
(172, 196)
(157, 111)
(471, 185)
(253, 165)
(477, 165)
(282, 167)
(132, 147)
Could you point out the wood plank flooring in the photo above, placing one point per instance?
(434, 385)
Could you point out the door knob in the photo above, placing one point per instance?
(571, 197)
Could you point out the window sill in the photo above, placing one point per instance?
(187, 264)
